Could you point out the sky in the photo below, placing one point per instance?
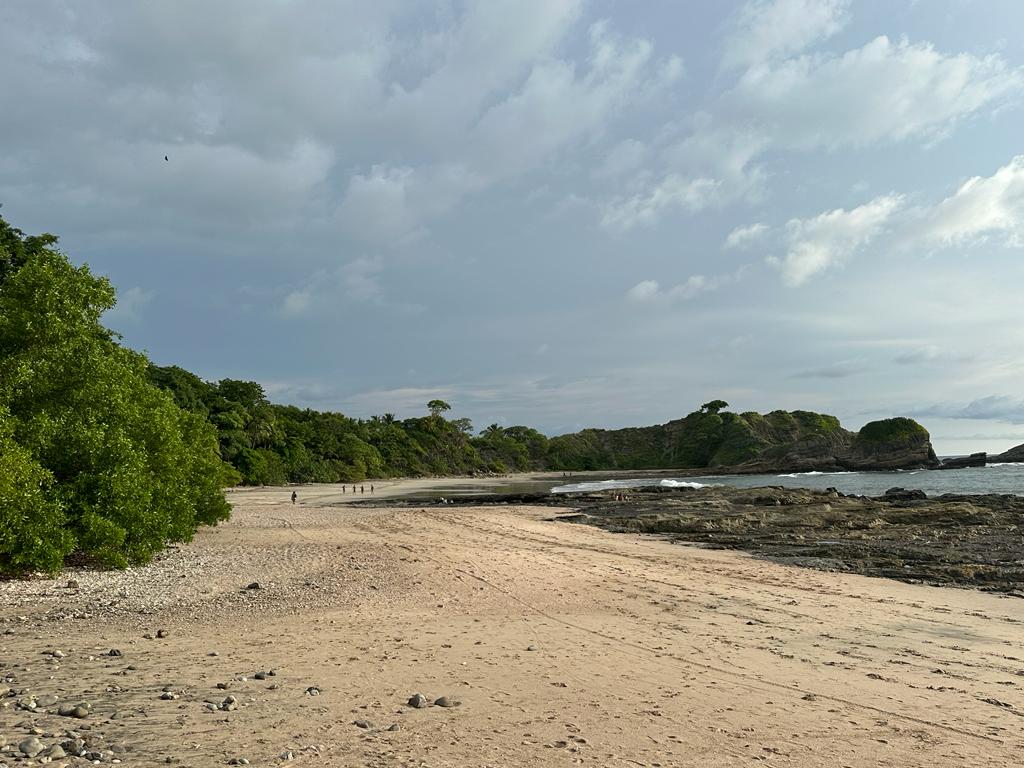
(560, 213)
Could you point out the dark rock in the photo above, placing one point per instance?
(254, 585)
(962, 462)
(902, 494)
(362, 724)
(114, 652)
(31, 747)
(418, 701)
(447, 702)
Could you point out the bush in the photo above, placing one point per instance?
(32, 535)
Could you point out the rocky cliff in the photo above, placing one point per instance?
(1015, 454)
(721, 441)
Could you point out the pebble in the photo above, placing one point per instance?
(168, 696)
(58, 654)
(531, 647)
(446, 701)
(394, 727)
(313, 691)
(230, 704)
(80, 710)
(31, 747)
(287, 755)
(114, 652)
(418, 701)
(255, 585)
(162, 633)
(362, 724)
(238, 761)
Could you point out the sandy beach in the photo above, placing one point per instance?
(561, 644)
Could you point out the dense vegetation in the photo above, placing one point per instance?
(274, 444)
(95, 461)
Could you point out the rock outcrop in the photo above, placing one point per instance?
(1011, 456)
(963, 462)
(721, 442)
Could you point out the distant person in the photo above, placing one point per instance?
(362, 489)
(353, 489)
(344, 489)
(371, 487)
(294, 496)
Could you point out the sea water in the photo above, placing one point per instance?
(995, 478)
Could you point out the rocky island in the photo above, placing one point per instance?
(715, 440)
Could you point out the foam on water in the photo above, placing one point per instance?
(995, 478)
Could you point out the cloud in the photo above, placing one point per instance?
(925, 354)
(743, 237)
(357, 280)
(882, 92)
(674, 192)
(650, 290)
(764, 29)
(994, 407)
(830, 239)
(840, 370)
(982, 206)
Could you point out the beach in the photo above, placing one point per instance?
(555, 644)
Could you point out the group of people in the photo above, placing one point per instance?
(344, 489)
(362, 489)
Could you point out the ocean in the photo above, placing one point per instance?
(995, 478)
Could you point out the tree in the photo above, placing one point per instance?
(437, 407)
(714, 406)
(105, 461)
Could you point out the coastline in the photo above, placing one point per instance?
(564, 644)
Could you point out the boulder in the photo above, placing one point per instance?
(961, 462)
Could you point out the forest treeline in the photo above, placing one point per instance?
(271, 444)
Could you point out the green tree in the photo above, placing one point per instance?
(437, 407)
(714, 406)
(130, 470)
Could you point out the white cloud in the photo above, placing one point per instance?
(831, 238)
(297, 302)
(643, 291)
(982, 206)
(743, 237)
(673, 193)
(884, 91)
(767, 28)
(694, 285)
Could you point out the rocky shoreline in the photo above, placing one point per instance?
(950, 540)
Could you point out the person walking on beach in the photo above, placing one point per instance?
(371, 487)
(362, 489)
(294, 496)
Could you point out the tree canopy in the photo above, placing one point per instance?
(94, 459)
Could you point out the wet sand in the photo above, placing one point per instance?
(565, 645)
